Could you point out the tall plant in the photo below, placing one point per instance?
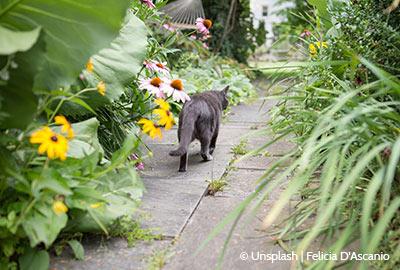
(343, 111)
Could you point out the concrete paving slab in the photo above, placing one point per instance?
(255, 112)
(112, 254)
(248, 238)
(163, 165)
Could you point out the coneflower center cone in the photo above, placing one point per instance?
(156, 82)
(177, 84)
(207, 23)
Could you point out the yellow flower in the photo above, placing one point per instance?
(101, 88)
(59, 207)
(89, 65)
(96, 205)
(66, 126)
(312, 49)
(162, 104)
(54, 144)
(150, 128)
(165, 118)
(322, 44)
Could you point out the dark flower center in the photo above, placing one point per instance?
(54, 138)
(207, 23)
(177, 84)
(156, 82)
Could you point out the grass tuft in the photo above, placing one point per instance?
(216, 185)
(240, 149)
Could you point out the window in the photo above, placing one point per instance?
(265, 11)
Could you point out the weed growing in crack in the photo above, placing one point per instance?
(240, 148)
(216, 185)
(132, 231)
(158, 259)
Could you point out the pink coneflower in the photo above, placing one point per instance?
(154, 86)
(305, 33)
(205, 46)
(193, 37)
(156, 67)
(203, 26)
(175, 89)
(169, 27)
(148, 3)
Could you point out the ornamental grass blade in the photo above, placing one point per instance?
(391, 171)
(368, 203)
(349, 180)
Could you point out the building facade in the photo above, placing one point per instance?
(266, 10)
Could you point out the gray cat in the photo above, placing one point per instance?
(199, 119)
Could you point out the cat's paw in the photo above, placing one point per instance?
(207, 157)
(211, 151)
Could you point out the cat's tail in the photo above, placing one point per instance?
(186, 133)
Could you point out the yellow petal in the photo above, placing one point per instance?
(162, 104)
(59, 207)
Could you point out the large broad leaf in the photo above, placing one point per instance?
(85, 141)
(122, 190)
(121, 62)
(34, 259)
(74, 30)
(17, 41)
(42, 225)
(18, 102)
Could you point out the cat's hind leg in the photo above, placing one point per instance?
(205, 149)
(184, 162)
(213, 143)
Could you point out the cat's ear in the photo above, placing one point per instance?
(226, 89)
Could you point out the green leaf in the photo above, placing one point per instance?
(42, 225)
(17, 41)
(18, 102)
(322, 7)
(50, 179)
(121, 190)
(77, 248)
(85, 141)
(74, 30)
(34, 259)
(83, 104)
(122, 61)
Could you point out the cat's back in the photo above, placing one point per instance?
(203, 103)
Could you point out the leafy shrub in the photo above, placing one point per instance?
(69, 136)
(219, 74)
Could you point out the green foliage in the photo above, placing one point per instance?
(240, 148)
(41, 197)
(77, 248)
(158, 259)
(221, 72)
(296, 19)
(54, 182)
(117, 65)
(216, 185)
(70, 34)
(132, 231)
(343, 109)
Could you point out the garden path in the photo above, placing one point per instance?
(177, 206)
